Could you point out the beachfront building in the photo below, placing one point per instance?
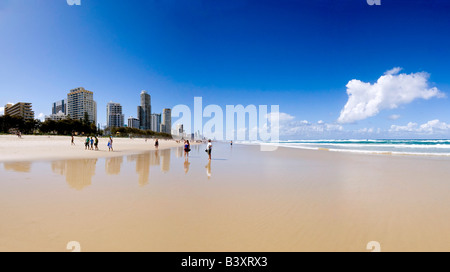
(79, 102)
(114, 116)
(59, 106)
(166, 121)
(155, 122)
(179, 131)
(144, 111)
(133, 122)
(21, 109)
(56, 117)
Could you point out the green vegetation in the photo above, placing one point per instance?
(126, 132)
(9, 124)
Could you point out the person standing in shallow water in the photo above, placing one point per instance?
(209, 149)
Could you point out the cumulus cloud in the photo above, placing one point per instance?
(2, 111)
(390, 91)
(394, 117)
(41, 116)
(431, 127)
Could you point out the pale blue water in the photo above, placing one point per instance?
(407, 147)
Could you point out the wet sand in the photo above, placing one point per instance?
(59, 147)
(244, 200)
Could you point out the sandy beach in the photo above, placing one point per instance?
(243, 200)
(30, 148)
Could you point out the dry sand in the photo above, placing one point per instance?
(30, 148)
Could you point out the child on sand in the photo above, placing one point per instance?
(96, 143)
(110, 144)
(86, 143)
(92, 143)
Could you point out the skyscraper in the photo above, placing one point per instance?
(114, 116)
(79, 102)
(144, 111)
(166, 122)
(156, 122)
(59, 106)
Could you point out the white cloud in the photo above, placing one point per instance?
(41, 116)
(2, 111)
(282, 116)
(431, 127)
(390, 91)
(394, 117)
(393, 71)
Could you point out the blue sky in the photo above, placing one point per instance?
(297, 54)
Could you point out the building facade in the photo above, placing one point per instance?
(144, 111)
(59, 106)
(79, 102)
(133, 122)
(21, 109)
(114, 116)
(155, 122)
(166, 121)
(56, 117)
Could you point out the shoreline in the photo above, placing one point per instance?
(51, 148)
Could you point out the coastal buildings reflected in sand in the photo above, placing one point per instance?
(165, 160)
(113, 165)
(23, 167)
(78, 173)
(143, 164)
(179, 152)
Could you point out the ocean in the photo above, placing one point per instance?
(394, 147)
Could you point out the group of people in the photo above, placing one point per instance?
(90, 143)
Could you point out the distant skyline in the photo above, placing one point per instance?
(306, 56)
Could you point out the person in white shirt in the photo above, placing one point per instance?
(209, 149)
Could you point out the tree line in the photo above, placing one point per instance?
(13, 124)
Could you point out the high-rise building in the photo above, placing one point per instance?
(155, 122)
(166, 121)
(114, 116)
(59, 106)
(21, 109)
(133, 122)
(180, 130)
(79, 102)
(144, 111)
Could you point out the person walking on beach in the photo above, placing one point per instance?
(231, 143)
(187, 148)
(110, 144)
(73, 140)
(209, 149)
(86, 143)
(92, 143)
(96, 143)
(156, 144)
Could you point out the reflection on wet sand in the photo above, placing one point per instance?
(113, 165)
(78, 173)
(208, 169)
(186, 165)
(165, 160)
(143, 164)
(179, 152)
(24, 167)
